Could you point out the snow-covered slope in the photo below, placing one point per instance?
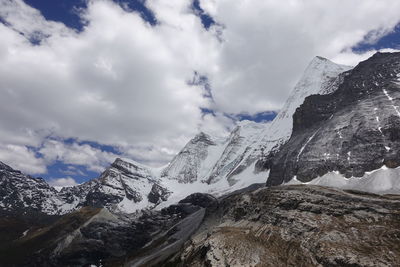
(321, 76)
(126, 186)
(188, 166)
(382, 181)
(208, 159)
(235, 148)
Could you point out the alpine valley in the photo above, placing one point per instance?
(317, 186)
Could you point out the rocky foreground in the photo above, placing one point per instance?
(298, 226)
(291, 225)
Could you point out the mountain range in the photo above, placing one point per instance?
(206, 164)
(339, 128)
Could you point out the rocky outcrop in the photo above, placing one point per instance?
(352, 130)
(158, 194)
(23, 193)
(201, 200)
(297, 226)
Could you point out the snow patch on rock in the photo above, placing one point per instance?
(379, 181)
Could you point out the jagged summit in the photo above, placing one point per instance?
(321, 58)
(20, 192)
(202, 137)
(4, 166)
(352, 131)
(320, 77)
(187, 166)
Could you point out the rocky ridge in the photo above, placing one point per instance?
(351, 131)
(297, 225)
(20, 192)
(123, 187)
(230, 162)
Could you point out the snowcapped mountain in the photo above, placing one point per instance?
(20, 192)
(234, 150)
(206, 164)
(189, 165)
(339, 127)
(349, 138)
(210, 160)
(321, 76)
(125, 186)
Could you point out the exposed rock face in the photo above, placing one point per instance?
(20, 192)
(201, 200)
(352, 130)
(124, 186)
(158, 194)
(298, 226)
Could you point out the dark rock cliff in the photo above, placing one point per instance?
(352, 130)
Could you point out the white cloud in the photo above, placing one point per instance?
(76, 154)
(352, 59)
(22, 158)
(269, 43)
(123, 82)
(119, 82)
(62, 182)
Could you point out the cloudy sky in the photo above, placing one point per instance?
(83, 82)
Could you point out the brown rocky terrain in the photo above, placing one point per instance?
(298, 225)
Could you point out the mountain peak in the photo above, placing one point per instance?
(352, 131)
(202, 137)
(321, 58)
(4, 166)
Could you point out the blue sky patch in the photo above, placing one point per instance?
(205, 18)
(61, 170)
(67, 11)
(258, 117)
(391, 40)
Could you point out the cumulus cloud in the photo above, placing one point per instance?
(119, 82)
(76, 154)
(126, 83)
(22, 158)
(267, 44)
(62, 182)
